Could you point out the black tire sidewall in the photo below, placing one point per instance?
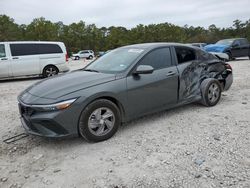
(205, 89)
(83, 121)
(50, 66)
(230, 56)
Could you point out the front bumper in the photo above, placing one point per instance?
(47, 124)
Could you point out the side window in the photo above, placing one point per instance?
(158, 59)
(237, 42)
(2, 51)
(185, 54)
(243, 42)
(49, 49)
(23, 49)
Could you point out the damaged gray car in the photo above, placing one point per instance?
(127, 83)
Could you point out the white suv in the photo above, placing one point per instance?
(21, 59)
(88, 54)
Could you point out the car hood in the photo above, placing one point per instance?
(216, 48)
(61, 85)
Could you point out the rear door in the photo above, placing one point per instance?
(50, 54)
(149, 92)
(4, 62)
(25, 59)
(190, 69)
(244, 44)
(236, 49)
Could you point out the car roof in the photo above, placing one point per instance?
(233, 39)
(155, 45)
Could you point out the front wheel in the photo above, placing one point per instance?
(99, 121)
(210, 91)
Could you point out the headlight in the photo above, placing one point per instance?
(57, 106)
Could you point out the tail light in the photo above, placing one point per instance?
(228, 67)
(67, 57)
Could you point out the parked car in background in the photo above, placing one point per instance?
(220, 55)
(236, 47)
(101, 53)
(199, 45)
(32, 58)
(88, 54)
(124, 84)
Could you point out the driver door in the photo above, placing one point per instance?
(152, 92)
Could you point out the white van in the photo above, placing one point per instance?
(21, 59)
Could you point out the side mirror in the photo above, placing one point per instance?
(144, 69)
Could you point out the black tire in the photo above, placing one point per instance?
(210, 92)
(77, 58)
(230, 56)
(90, 57)
(49, 71)
(87, 114)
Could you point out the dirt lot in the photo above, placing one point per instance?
(191, 146)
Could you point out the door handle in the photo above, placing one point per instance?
(4, 58)
(15, 58)
(170, 73)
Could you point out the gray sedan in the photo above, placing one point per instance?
(127, 83)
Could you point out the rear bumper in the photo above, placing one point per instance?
(228, 81)
(62, 67)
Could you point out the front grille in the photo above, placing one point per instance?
(26, 110)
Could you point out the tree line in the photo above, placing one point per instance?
(79, 36)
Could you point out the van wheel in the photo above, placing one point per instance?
(50, 71)
(77, 58)
(90, 57)
(210, 91)
(99, 121)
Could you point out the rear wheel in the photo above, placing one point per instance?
(90, 57)
(99, 121)
(211, 92)
(50, 71)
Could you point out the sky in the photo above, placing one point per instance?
(129, 13)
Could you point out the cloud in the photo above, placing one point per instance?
(129, 13)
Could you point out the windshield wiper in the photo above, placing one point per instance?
(90, 70)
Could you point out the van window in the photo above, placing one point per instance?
(49, 49)
(185, 54)
(2, 51)
(34, 49)
(158, 59)
(23, 49)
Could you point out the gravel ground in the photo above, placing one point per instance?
(191, 146)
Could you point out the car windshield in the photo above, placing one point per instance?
(116, 61)
(227, 42)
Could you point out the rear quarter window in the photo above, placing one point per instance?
(49, 49)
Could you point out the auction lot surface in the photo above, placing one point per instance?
(190, 146)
